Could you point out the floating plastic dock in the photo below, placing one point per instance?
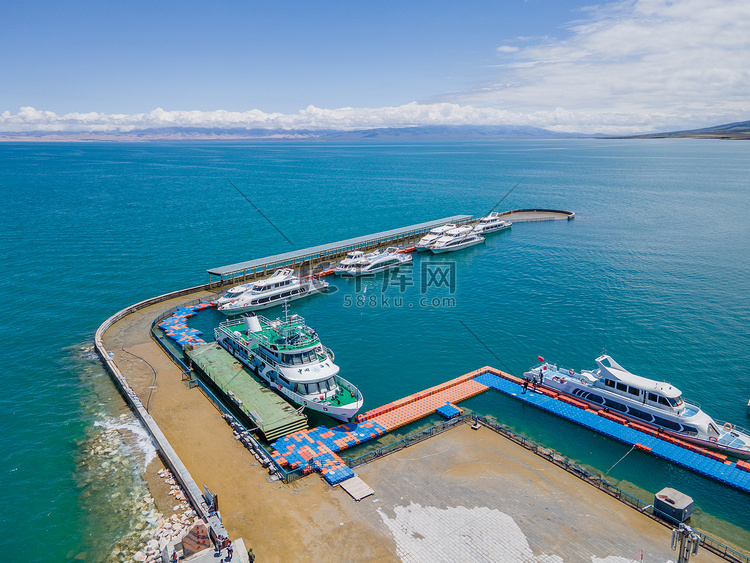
(316, 449)
(176, 328)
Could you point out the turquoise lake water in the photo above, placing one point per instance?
(655, 269)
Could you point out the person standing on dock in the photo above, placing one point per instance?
(230, 551)
(525, 384)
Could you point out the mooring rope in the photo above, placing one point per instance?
(619, 460)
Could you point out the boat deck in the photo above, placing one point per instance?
(270, 412)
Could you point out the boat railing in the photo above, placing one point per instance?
(729, 427)
(692, 405)
(341, 382)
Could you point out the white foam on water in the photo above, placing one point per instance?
(142, 445)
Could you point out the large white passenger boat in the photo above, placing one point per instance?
(491, 223)
(282, 286)
(289, 355)
(456, 239)
(374, 263)
(652, 403)
(431, 238)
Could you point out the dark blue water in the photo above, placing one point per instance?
(654, 269)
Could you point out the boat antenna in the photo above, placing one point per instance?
(506, 195)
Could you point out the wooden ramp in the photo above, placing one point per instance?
(269, 411)
(357, 488)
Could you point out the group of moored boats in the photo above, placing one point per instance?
(283, 285)
(358, 263)
(290, 357)
(447, 238)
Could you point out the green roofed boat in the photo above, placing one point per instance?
(288, 354)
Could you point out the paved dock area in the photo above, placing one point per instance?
(479, 473)
(274, 416)
(493, 500)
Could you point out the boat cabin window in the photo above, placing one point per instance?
(621, 386)
(634, 391)
(663, 401)
(609, 383)
(284, 379)
(653, 397)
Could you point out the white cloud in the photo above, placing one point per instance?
(628, 67)
(31, 120)
(634, 65)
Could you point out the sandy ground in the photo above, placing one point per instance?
(435, 492)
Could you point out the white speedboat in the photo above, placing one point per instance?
(655, 404)
(456, 239)
(282, 286)
(380, 262)
(491, 223)
(289, 356)
(352, 258)
(431, 238)
(232, 294)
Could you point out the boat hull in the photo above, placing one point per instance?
(240, 310)
(357, 273)
(565, 383)
(443, 249)
(492, 230)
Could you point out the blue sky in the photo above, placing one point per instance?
(565, 65)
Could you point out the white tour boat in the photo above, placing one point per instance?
(283, 285)
(372, 264)
(431, 238)
(456, 239)
(491, 223)
(289, 356)
(652, 403)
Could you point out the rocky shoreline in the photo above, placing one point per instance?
(144, 497)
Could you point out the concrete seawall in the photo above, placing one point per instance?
(167, 453)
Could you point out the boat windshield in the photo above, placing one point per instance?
(300, 358)
(316, 387)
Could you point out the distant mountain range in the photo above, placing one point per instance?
(739, 130)
(419, 133)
